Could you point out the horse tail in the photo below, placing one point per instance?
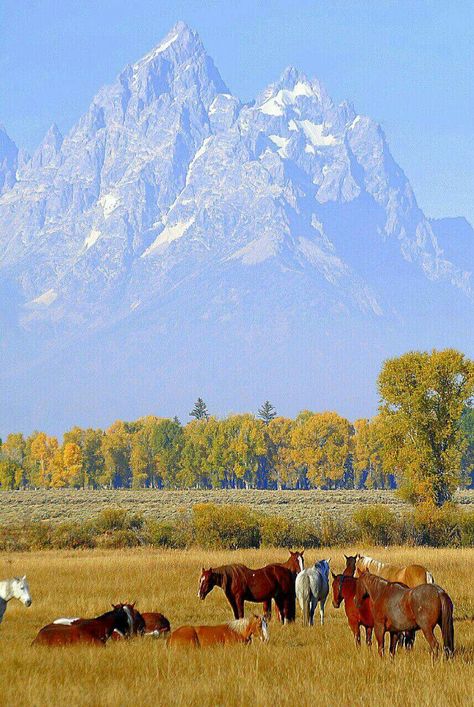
(304, 596)
(447, 626)
(429, 578)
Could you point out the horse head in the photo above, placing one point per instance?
(124, 622)
(296, 561)
(258, 627)
(206, 582)
(350, 565)
(337, 582)
(21, 590)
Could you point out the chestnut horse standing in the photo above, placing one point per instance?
(93, 631)
(396, 608)
(344, 589)
(238, 631)
(411, 575)
(241, 584)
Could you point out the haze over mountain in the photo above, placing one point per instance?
(178, 243)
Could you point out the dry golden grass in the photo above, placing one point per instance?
(299, 666)
(308, 506)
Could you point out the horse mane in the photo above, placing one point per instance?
(238, 625)
(366, 561)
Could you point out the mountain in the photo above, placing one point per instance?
(179, 243)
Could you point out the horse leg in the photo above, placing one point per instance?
(368, 635)
(393, 643)
(281, 609)
(355, 628)
(380, 636)
(267, 609)
(312, 609)
(235, 607)
(321, 610)
(432, 642)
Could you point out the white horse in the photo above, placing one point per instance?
(15, 588)
(312, 586)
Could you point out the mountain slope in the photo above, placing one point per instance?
(201, 244)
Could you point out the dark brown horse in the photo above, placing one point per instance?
(344, 589)
(397, 608)
(240, 584)
(93, 631)
(156, 624)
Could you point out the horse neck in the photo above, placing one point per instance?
(242, 627)
(6, 592)
(374, 566)
(108, 621)
(348, 587)
(374, 585)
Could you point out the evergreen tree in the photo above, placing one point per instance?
(267, 412)
(199, 411)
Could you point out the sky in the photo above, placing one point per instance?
(406, 63)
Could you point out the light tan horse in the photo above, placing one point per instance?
(238, 631)
(411, 575)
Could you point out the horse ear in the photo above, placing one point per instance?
(23, 578)
(333, 575)
(328, 560)
(347, 557)
(302, 552)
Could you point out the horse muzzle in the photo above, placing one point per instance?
(28, 602)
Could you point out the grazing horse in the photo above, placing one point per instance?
(93, 631)
(411, 575)
(312, 586)
(397, 608)
(238, 631)
(343, 590)
(15, 588)
(240, 584)
(156, 624)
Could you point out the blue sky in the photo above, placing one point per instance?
(406, 63)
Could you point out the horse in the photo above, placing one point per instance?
(241, 584)
(295, 563)
(411, 575)
(238, 631)
(343, 589)
(14, 588)
(92, 631)
(156, 624)
(312, 586)
(397, 608)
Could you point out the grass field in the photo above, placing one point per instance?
(302, 666)
(68, 504)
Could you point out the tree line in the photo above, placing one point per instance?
(421, 440)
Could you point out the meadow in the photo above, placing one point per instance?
(305, 506)
(318, 665)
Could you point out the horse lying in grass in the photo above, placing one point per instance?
(14, 588)
(411, 575)
(92, 631)
(241, 584)
(238, 631)
(312, 586)
(156, 624)
(396, 609)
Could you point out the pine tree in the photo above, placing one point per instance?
(267, 412)
(199, 411)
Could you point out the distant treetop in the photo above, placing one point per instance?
(267, 412)
(200, 411)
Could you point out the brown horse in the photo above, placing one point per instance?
(295, 563)
(238, 631)
(241, 584)
(344, 589)
(155, 624)
(396, 608)
(411, 575)
(93, 631)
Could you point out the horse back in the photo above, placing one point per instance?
(414, 575)
(210, 635)
(183, 636)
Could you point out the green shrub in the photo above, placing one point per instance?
(334, 531)
(39, 535)
(73, 535)
(437, 526)
(467, 529)
(111, 519)
(173, 535)
(226, 526)
(275, 531)
(118, 539)
(375, 524)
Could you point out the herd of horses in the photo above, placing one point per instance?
(379, 597)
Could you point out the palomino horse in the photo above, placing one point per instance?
(15, 588)
(238, 631)
(95, 631)
(312, 586)
(344, 589)
(241, 584)
(411, 575)
(396, 608)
